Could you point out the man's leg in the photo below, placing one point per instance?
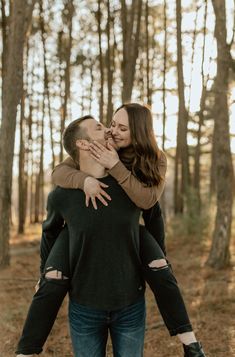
(127, 328)
(48, 299)
(89, 330)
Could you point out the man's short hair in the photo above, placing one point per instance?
(74, 132)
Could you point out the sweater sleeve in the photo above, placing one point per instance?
(144, 197)
(67, 175)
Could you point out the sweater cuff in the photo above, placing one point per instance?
(119, 172)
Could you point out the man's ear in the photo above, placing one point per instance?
(83, 144)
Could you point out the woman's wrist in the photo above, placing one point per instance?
(113, 163)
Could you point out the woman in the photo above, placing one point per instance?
(142, 177)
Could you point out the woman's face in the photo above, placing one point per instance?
(120, 129)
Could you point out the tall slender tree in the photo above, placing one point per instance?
(131, 20)
(197, 156)
(5, 29)
(20, 19)
(181, 159)
(164, 77)
(23, 152)
(148, 90)
(219, 254)
(101, 64)
(46, 81)
(66, 42)
(22, 194)
(110, 62)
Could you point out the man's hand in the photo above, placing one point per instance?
(93, 189)
(107, 157)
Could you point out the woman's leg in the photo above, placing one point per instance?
(54, 285)
(154, 224)
(159, 276)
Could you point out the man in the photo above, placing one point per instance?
(107, 290)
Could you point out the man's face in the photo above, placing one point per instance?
(96, 131)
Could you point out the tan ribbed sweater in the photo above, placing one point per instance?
(68, 176)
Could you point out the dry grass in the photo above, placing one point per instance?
(209, 296)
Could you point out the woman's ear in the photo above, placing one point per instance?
(83, 144)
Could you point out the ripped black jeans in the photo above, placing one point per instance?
(48, 299)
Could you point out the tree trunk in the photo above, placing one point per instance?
(110, 66)
(163, 198)
(213, 169)
(46, 82)
(20, 17)
(32, 193)
(82, 103)
(22, 199)
(182, 158)
(131, 19)
(39, 182)
(148, 91)
(23, 155)
(91, 85)
(37, 179)
(69, 20)
(197, 157)
(192, 57)
(4, 34)
(30, 162)
(219, 254)
(101, 104)
(41, 166)
(164, 78)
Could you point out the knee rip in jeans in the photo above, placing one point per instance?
(52, 273)
(158, 264)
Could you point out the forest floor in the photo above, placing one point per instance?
(209, 295)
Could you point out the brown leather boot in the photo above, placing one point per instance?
(193, 350)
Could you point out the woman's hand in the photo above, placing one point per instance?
(93, 189)
(107, 157)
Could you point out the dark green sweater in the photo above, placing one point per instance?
(104, 246)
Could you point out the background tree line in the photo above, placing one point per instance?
(62, 59)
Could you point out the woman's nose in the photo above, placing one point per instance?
(113, 130)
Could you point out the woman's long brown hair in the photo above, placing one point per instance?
(143, 153)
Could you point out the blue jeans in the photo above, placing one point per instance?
(89, 330)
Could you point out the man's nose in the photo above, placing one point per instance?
(108, 131)
(113, 130)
